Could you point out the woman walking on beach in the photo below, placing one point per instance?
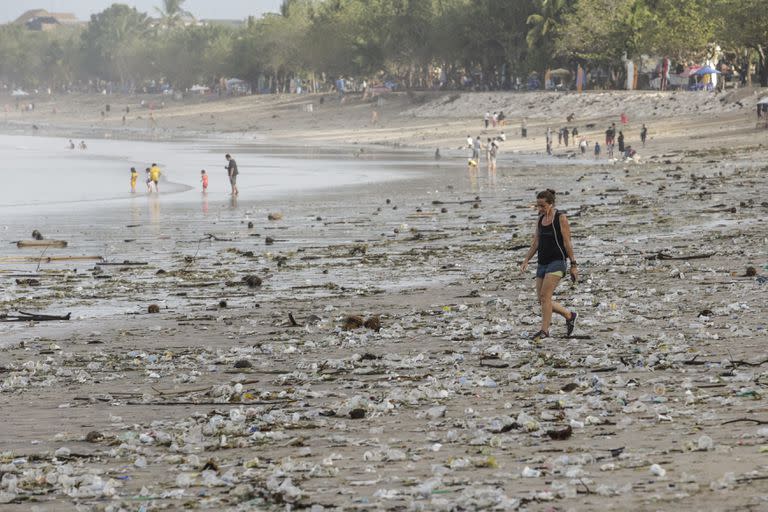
(552, 241)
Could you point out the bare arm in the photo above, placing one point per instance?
(565, 227)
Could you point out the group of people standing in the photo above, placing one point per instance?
(494, 120)
(564, 135)
(614, 139)
(82, 145)
(153, 174)
(491, 146)
(152, 178)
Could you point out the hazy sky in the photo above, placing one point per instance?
(220, 9)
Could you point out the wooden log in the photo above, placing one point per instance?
(41, 243)
(125, 263)
(27, 317)
(47, 259)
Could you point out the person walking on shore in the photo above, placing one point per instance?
(154, 176)
(232, 172)
(552, 242)
(204, 180)
(548, 136)
(620, 140)
(476, 147)
(134, 179)
(493, 151)
(643, 134)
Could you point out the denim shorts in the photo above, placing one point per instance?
(556, 267)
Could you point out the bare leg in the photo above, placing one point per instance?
(545, 288)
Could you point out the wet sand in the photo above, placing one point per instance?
(448, 405)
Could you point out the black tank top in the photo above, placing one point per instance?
(551, 245)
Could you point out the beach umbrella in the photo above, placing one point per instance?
(706, 70)
(688, 72)
(560, 73)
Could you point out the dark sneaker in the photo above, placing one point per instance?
(570, 324)
(540, 336)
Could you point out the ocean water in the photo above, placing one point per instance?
(42, 175)
(84, 198)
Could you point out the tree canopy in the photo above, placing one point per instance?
(416, 43)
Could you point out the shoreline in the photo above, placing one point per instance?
(255, 396)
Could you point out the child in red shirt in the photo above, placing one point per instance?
(204, 180)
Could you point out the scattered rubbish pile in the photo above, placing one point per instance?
(385, 363)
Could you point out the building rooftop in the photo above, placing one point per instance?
(63, 18)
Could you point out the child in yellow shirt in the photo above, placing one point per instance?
(134, 178)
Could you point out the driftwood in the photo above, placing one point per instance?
(247, 402)
(211, 236)
(738, 362)
(468, 201)
(662, 256)
(46, 259)
(34, 317)
(125, 263)
(41, 243)
(753, 420)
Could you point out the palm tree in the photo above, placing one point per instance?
(546, 20)
(172, 13)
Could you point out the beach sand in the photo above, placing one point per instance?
(222, 401)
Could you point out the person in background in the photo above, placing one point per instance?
(204, 180)
(232, 172)
(134, 179)
(154, 176)
(493, 151)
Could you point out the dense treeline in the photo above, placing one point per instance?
(486, 44)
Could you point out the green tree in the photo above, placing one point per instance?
(745, 26)
(606, 37)
(172, 14)
(543, 26)
(194, 54)
(681, 29)
(111, 40)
